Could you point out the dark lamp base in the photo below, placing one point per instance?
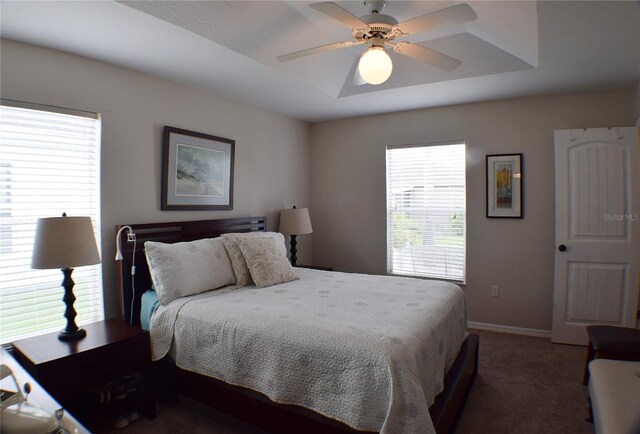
(72, 336)
(294, 250)
(71, 332)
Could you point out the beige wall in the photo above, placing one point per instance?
(272, 156)
(348, 192)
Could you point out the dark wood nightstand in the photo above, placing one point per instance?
(111, 351)
(316, 267)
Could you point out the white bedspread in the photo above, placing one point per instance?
(369, 351)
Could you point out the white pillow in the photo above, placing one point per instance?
(188, 268)
(239, 264)
(267, 263)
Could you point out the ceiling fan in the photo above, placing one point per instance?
(377, 30)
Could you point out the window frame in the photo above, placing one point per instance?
(97, 313)
(389, 234)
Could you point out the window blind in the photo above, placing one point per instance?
(49, 164)
(426, 211)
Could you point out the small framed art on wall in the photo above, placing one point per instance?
(504, 186)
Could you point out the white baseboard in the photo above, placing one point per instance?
(509, 329)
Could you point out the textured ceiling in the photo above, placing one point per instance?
(262, 30)
(513, 49)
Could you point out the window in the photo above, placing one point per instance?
(426, 211)
(49, 164)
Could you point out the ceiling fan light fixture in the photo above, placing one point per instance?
(379, 30)
(375, 65)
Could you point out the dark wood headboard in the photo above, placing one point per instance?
(168, 232)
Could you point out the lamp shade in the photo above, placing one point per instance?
(295, 221)
(64, 242)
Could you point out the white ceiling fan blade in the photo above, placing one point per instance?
(316, 50)
(339, 14)
(427, 55)
(457, 14)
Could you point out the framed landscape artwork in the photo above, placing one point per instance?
(197, 172)
(504, 186)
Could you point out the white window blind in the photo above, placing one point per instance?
(426, 211)
(49, 164)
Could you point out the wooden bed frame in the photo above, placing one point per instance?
(251, 406)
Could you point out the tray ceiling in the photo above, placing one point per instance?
(514, 48)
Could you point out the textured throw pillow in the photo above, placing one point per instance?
(188, 268)
(231, 243)
(266, 262)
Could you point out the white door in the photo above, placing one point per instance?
(597, 231)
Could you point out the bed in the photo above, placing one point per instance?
(330, 352)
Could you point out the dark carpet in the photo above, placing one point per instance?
(526, 385)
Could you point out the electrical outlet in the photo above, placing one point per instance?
(131, 237)
(495, 290)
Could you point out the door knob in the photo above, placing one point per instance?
(562, 248)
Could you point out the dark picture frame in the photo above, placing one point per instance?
(197, 171)
(504, 179)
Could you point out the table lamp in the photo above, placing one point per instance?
(65, 242)
(295, 222)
